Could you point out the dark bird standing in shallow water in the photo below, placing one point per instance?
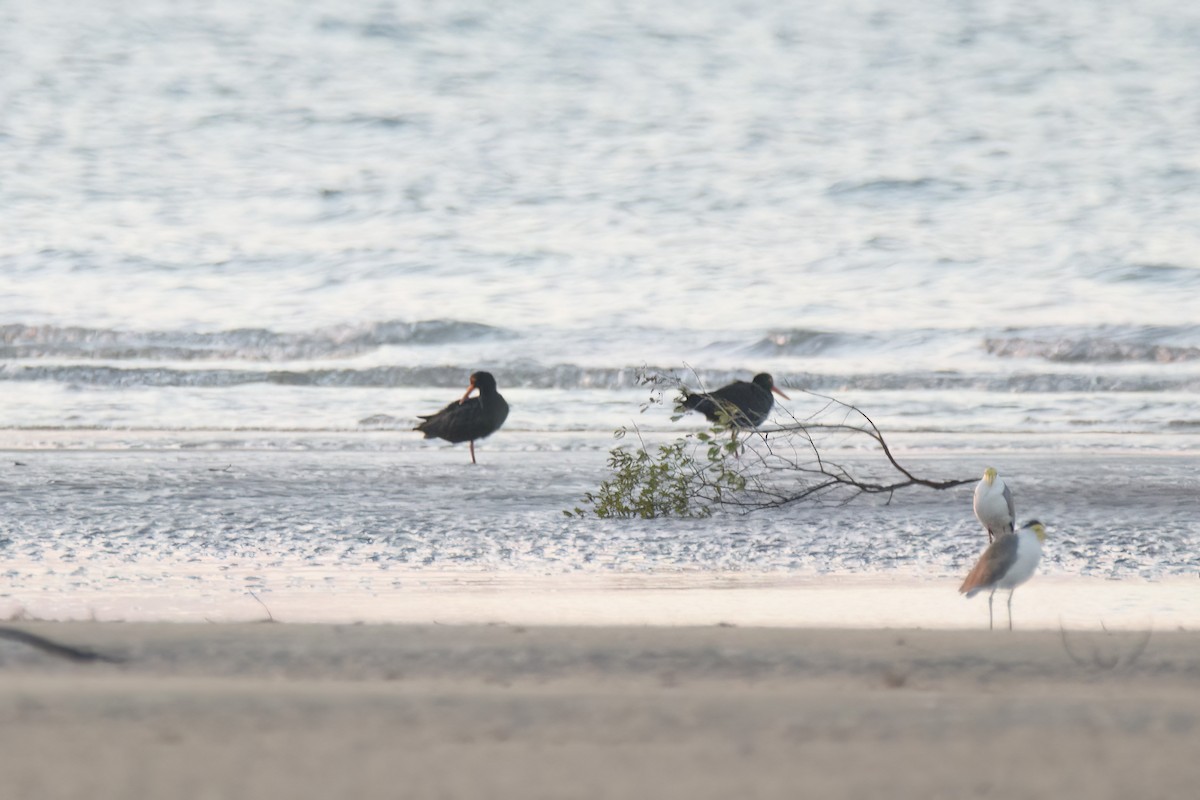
(745, 404)
(468, 418)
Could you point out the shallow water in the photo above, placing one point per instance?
(270, 216)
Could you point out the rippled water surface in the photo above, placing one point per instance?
(246, 243)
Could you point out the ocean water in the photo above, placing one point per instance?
(246, 243)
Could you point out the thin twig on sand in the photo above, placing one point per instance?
(76, 654)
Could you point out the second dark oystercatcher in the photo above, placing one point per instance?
(745, 405)
(468, 418)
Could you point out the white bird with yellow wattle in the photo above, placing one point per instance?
(994, 505)
(1008, 562)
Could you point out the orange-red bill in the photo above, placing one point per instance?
(467, 394)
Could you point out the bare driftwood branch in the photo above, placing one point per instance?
(790, 463)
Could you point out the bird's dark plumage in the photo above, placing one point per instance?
(746, 404)
(468, 418)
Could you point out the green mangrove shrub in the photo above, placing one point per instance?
(684, 478)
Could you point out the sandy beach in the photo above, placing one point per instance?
(365, 711)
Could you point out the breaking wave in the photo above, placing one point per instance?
(1135, 345)
(1074, 351)
(569, 376)
(18, 341)
(800, 342)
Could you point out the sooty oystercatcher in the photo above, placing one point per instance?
(745, 405)
(468, 418)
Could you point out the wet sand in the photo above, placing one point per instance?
(388, 711)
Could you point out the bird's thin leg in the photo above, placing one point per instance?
(472, 451)
(1010, 594)
(991, 626)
